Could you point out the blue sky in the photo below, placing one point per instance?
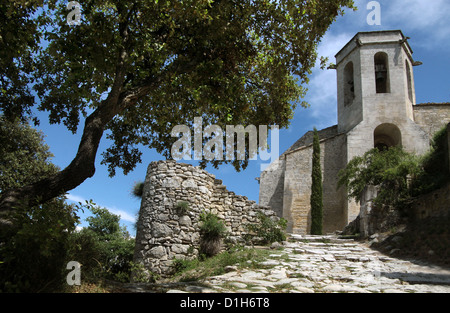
(426, 22)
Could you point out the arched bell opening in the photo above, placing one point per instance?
(387, 135)
(382, 73)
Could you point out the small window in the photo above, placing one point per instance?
(382, 73)
(349, 84)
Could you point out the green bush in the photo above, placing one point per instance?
(211, 226)
(104, 247)
(212, 230)
(400, 175)
(33, 253)
(138, 190)
(33, 249)
(269, 230)
(183, 207)
(390, 169)
(434, 165)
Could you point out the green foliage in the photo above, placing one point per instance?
(211, 226)
(435, 172)
(212, 230)
(316, 199)
(390, 169)
(33, 251)
(233, 62)
(24, 158)
(104, 247)
(268, 229)
(138, 189)
(103, 223)
(400, 175)
(196, 269)
(183, 207)
(19, 39)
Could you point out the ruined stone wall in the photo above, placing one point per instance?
(166, 232)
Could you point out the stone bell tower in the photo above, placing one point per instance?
(376, 90)
(374, 75)
(376, 109)
(376, 95)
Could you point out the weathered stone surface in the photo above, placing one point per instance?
(157, 252)
(380, 275)
(185, 220)
(160, 230)
(161, 222)
(367, 117)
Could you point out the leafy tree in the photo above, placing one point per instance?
(134, 69)
(103, 223)
(103, 247)
(19, 40)
(33, 247)
(316, 199)
(24, 158)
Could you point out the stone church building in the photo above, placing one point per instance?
(376, 108)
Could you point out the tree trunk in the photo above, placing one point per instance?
(81, 168)
(83, 165)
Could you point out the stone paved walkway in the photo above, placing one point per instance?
(326, 264)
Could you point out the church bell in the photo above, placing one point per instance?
(380, 73)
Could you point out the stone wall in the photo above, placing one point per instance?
(166, 232)
(297, 187)
(432, 116)
(448, 147)
(271, 185)
(433, 204)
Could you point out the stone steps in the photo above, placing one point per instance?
(326, 239)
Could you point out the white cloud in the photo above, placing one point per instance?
(322, 89)
(125, 216)
(430, 18)
(74, 198)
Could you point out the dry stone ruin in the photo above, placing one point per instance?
(168, 230)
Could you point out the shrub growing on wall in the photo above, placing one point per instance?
(390, 169)
(434, 166)
(400, 175)
(268, 229)
(212, 231)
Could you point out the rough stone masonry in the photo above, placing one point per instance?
(165, 231)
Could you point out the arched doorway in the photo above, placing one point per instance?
(387, 135)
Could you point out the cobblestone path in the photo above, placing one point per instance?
(326, 264)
